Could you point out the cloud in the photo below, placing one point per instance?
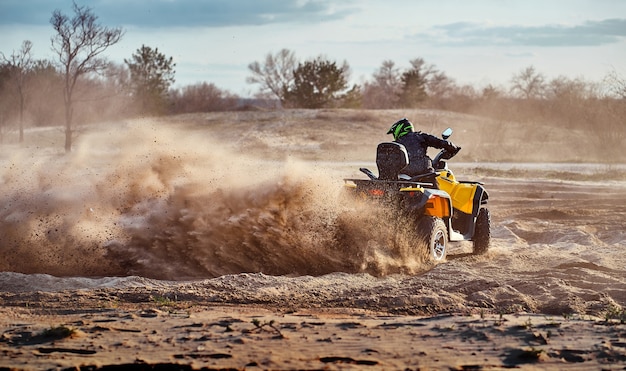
(35, 12)
(590, 33)
(180, 13)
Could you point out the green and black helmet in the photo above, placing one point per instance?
(401, 128)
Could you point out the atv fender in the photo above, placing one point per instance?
(480, 198)
(433, 202)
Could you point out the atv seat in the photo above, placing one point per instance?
(391, 158)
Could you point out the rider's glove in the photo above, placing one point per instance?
(450, 147)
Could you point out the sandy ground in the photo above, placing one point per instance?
(136, 265)
(242, 337)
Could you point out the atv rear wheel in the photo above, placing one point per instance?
(482, 232)
(434, 235)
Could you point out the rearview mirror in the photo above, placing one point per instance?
(446, 133)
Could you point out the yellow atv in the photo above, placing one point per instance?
(441, 208)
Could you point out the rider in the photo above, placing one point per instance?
(416, 144)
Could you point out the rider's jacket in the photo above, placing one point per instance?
(416, 144)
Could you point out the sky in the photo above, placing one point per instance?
(476, 42)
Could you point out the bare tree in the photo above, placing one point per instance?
(613, 135)
(202, 97)
(616, 84)
(388, 78)
(44, 84)
(78, 44)
(275, 75)
(490, 92)
(528, 83)
(7, 103)
(385, 88)
(20, 64)
(570, 92)
(439, 86)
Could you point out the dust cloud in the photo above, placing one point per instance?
(147, 200)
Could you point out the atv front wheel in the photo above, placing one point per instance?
(482, 232)
(434, 235)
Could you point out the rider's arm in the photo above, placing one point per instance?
(433, 141)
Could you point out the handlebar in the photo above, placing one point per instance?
(444, 154)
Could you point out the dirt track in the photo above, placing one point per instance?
(563, 261)
(558, 249)
(172, 203)
(178, 224)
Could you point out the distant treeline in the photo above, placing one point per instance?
(81, 87)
